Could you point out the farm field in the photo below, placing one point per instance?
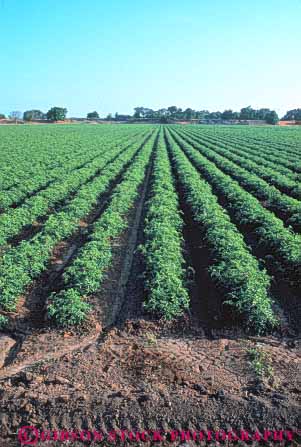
(124, 244)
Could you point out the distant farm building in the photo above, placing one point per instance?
(289, 123)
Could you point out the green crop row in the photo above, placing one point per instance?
(86, 273)
(280, 159)
(12, 222)
(277, 139)
(46, 178)
(234, 268)
(20, 265)
(29, 152)
(274, 199)
(283, 182)
(166, 293)
(271, 233)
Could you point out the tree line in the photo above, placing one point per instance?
(53, 114)
(173, 112)
(163, 115)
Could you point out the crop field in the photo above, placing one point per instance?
(156, 221)
(151, 272)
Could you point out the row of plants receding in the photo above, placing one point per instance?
(280, 181)
(47, 177)
(27, 153)
(85, 274)
(162, 250)
(19, 266)
(235, 271)
(251, 154)
(278, 202)
(281, 159)
(270, 232)
(14, 220)
(276, 139)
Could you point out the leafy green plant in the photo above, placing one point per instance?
(246, 209)
(3, 322)
(85, 274)
(68, 308)
(166, 292)
(21, 264)
(260, 362)
(234, 268)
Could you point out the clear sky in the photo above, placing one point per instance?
(115, 55)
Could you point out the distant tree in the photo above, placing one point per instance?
(31, 115)
(57, 114)
(15, 115)
(202, 114)
(229, 115)
(261, 114)
(143, 112)
(214, 115)
(2, 116)
(247, 113)
(179, 113)
(162, 112)
(189, 114)
(172, 110)
(109, 117)
(138, 111)
(294, 114)
(92, 115)
(272, 117)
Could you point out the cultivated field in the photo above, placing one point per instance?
(219, 208)
(190, 230)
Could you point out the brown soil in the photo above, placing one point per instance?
(155, 376)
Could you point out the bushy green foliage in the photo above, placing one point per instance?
(93, 115)
(167, 295)
(246, 209)
(57, 114)
(68, 308)
(234, 268)
(279, 176)
(86, 272)
(275, 200)
(3, 322)
(20, 265)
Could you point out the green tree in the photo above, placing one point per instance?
(93, 115)
(247, 113)
(31, 115)
(189, 114)
(172, 110)
(272, 117)
(229, 115)
(2, 116)
(57, 114)
(294, 114)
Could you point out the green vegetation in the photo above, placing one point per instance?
(20, 265)
(261, 363)
(68, 194)
(166, 294)
(234, 268)
(92, 115)
(85, 275)
(3, 322)
(57, 114)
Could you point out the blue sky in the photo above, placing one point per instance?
(115, 55)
